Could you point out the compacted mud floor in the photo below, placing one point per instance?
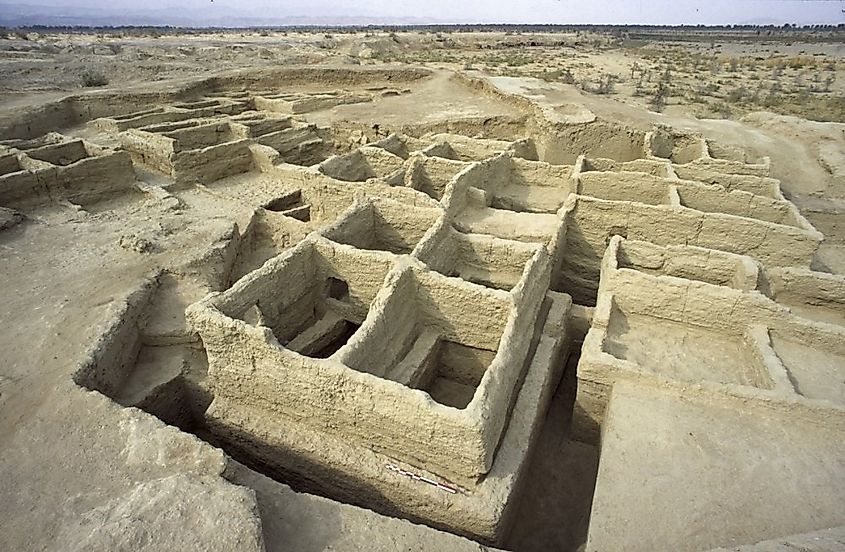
(392, 308)
(681, 352)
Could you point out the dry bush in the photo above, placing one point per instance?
(793, 62)
(91, 78)
(715, 67)
(722, 109)
(515, 60)
(708, 89)
(797, 62)
(606, 84)
(736, 95)
(560, 75)
(658, 101)
(772, 99)
(828, 82)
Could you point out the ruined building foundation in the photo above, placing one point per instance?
(384, 315)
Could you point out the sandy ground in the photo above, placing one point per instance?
(678, 443)
(710, 78)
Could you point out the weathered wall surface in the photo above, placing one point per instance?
(590, 222)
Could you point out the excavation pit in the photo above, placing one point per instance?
(457, 373)
(431, 175)
(683, 353)
(10, 164)
(815, 362)
(61, 155)
(362, 164)
(382, 225)
(329, 302)
(812, 295)
(291, 205)
(479, 258)
(432, 345)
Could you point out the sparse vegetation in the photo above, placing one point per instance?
(92, 78)
(758, 71)
(559, 75)
(737, 94)
(722, 109)
(828, 82)
(605, 84)
(661, 96)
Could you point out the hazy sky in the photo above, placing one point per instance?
(515, 11)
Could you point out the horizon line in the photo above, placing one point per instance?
(780, 26)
